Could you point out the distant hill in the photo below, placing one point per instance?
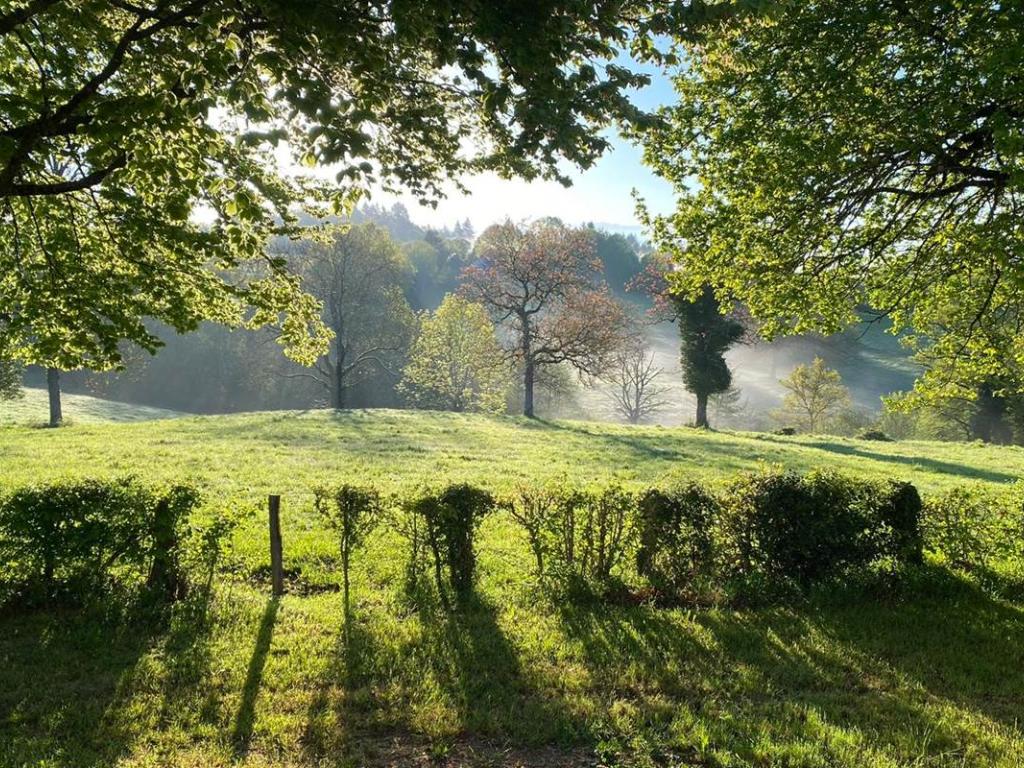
(33, 408)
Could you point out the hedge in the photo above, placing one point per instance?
(74, 539)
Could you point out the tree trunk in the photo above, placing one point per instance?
(339, 381)
(528, 376)
(53, 387)
(529, 369)
(702, 412)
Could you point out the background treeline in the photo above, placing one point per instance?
(382, 283)
(218, 370)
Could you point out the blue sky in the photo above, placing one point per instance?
(601, 194)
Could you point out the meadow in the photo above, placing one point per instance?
(925, 674)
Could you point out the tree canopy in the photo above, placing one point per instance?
(357, 276)
(705, 335)
(830, 155)
(456, 363)
(545, 285)
(119, 122)
(815, 395)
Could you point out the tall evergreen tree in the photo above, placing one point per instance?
(705, 335)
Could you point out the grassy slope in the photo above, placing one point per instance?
(32, 409)
(287, 452)
(931, 679)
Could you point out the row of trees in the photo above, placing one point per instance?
(828, 157)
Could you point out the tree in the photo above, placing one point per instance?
(634, 376)
(357, 274)
(816, 393)
(727, 406)
(619, 257)
(705, 336)
(837, 154)
(10, 380)
(543, 284)
(456, 363)
(121, 120)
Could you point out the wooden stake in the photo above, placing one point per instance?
(276, 564)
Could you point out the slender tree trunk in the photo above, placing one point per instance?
(529, 369)
(339, 381)
(53, 387)
(528, 376)
(702, 411)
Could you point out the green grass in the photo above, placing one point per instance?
(287, 452)
(928, 676)
(32, 409)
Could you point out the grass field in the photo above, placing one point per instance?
(32, 409)
(926, 676)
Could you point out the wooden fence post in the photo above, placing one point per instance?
(276, 565)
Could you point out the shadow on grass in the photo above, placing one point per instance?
(68, 679)
(241, 735)
(446, 674)
(778, 679)
(932, 465)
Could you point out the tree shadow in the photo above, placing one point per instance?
(466, 672)
(338, 707)
(65, 680)
(933, 465)
(474, 662)
(954, 640)
(779, 677)
(241, 735)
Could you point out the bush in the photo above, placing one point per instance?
(450, 519)
(874, 434)
(803, 530)
(73, 539)
(677, 547)
(353, 513)
(575, 534)
(973, 528)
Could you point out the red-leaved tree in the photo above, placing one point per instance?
(543, 283)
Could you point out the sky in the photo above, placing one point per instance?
(603, 194)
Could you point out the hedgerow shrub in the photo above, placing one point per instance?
(353, 513)
(575, 534)
(973, 528)
(73, 539)
(677, 547)
(450, 519)
(786, 528)
(535, 509)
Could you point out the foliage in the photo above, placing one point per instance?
(875, 435)
(10, 380)
(636, 393)
(437, 263)
(72, 539)
(450, 519)
(677, 547)
(456, 363)
(619, 256)
(353, 513)
(816, 395)
(832, 155)
(122, 119)
(804, 530)
(543, 283)
(575, 534)
(357, 275)
(974, 528)
(705, 334)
